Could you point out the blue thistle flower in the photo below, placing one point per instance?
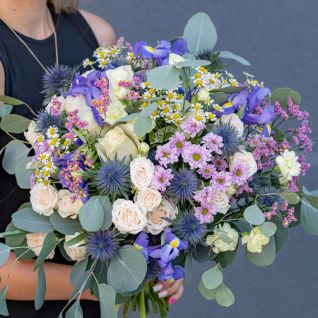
(57, 80)
(230, 135)
(44, 120)
(153, 270)
(102, 245)
(268, 196)
(152, 156)
(113, 178)
(183, 185)
(188, 228)
(119, 61)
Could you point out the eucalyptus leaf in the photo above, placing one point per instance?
(28, 220)
(49, 244)
(75, 311)
(65, 226)
(212, 278)
(10, 100)
(130, 117)
(224, 296)
(79, 268)
(188, 268)
(266, 257)
(309, 217)
(142, 126)
(3, 304)
(200, 33)
(291, 197)
(235, 57)
(226, 258)
(5, 110)
(193, 63)
(4, 253)
(254, 215)
(282, 94)
(107, 300)
(208, 294)
(164, 77)
(219, 98)
(79, 238)
(127, 270)
(40, 289)
(83, 283)
(268, 228)
(147, 111)
(22, 174)
(13, 236)
(281, 235)
(202, 254)
(14, 123)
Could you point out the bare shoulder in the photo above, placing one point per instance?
(1, 79)
(103, 31)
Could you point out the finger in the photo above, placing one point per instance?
(176, 296)
(160, 286)
(171, 288)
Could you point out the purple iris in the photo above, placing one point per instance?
(171, 273)
(161, 52)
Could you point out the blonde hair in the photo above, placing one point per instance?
(64, 5)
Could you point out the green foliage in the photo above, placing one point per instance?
(162, 135)
(254, 215)
(282, 94)
(193, 63)
(291, 197)
(4, 253)
(224, 296)
(200, 33)
(164, 77)
(213, 277)
(208, 294)
(96, 214)
(49, 244)
(15, 124)
(3, 304)
(13, 236)
(266, 257)
(127, 270)
(65, 226)
(107, 300)
(22, 174)
(281, 235)
(143, 125)
(5, 110)
(219, 98)
(188, 268)
(28, 220)
(268, 228)
(79, 238)
(75, 311)
(309, 217)
(40, 289)
(78, 269)
(10, 100)
(227, 258)
(235, 57)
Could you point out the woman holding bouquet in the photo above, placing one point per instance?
(35, 35)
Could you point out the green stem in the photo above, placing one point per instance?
(142, 305)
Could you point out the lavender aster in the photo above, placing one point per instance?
(102, 245)
(183, 185)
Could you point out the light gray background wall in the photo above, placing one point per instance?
(280, 39)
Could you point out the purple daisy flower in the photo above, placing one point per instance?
(179, 142)
(192, 127)
(221, 180)
(205, 196)
(196, 156)
(213, 142)
(166, 155)
(219, 162)
(161, 178)
(207, 171)
(205, 213)
(239, 173)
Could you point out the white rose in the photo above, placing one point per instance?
(35, 243)
(68, 204)
(204, 95)
(122, 73)
(85, 113)
(175, 58)
(234, 121)
(221, 202)
(76, 252)
(120, 142)
(141, 172)
(288, 165)
(31, 135)
(128, 217)
(148, 198)
(255, 240)
(246, 158)
(115, 112)
(156, 222)
(223, 239)
(144, 149)
(43, 198)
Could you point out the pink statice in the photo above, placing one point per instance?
(73, 121)
(213, 142)
(55, 106)
(166, 155)
(207, 171)
(192, 127)
(221, 180)
(304, 165)
(205, 196)
(292, 185)
(279, 110)
(161, 178)
(196, 156)
(219, 162)
(244, 188)
(239, 173)
(179, 142)
(205, 213)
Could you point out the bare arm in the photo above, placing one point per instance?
(103, 31)
(1, 79)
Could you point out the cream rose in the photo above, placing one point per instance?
(128, 217)
(156, 222)
(255, 240)
(141, 172)
(175, 59)
(288, 165)
(148, 198)
(43, 198)
(223, 239)
(35, 243)
(120, 142)
(246, 158)
(68, 204)
(234, 121)
(85, 113)
(204, 95)
(76, 252)
(31, 135)
(115, 112)
(221, 202)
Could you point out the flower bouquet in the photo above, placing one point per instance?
(150, 159)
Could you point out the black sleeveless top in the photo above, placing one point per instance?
(23, 80)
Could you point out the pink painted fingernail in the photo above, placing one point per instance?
(157, 287)
(163, 294)
(172, 300)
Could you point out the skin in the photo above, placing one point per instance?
(31, 18)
